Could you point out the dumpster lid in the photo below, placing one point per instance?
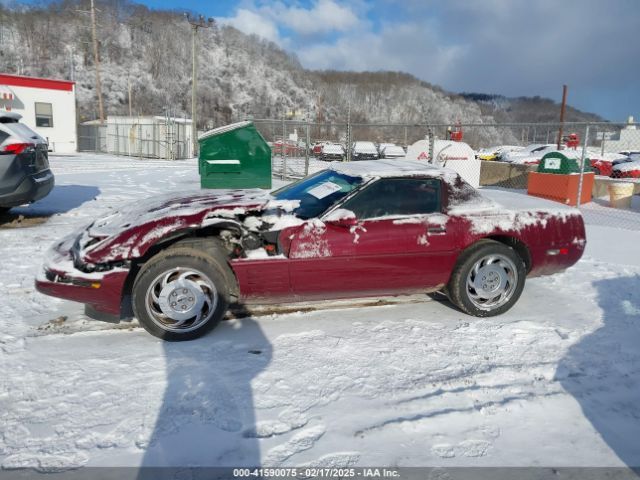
(224, 129)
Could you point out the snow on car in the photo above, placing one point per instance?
(377, 227)
(629, 169)
(392, 151)
(494, 153)
(603, 163)
(530, 155)
(364, 151)
(332, 151)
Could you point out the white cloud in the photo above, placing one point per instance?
(251, 22)
(411, 47)
(325, 16)
(512, 47)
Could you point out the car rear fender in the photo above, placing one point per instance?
(521, 248)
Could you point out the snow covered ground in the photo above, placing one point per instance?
(554, 382)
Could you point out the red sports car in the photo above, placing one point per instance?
(381, 227)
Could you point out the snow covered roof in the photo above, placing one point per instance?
(388, 168)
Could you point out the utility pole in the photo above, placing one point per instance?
(72, 65)
(562, 109)
(348, 157)
(129, 88)
(96, 59)
(196, 23)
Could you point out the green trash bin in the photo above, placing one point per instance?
(559, 163)
(234, 156)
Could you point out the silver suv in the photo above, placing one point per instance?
(24, 163)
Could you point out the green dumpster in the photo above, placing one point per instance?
(234, 156)
(559, 163)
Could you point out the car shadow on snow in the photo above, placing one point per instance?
(602, 370)
(62, 199)
(207, 417)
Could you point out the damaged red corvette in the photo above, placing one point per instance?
(384, 227)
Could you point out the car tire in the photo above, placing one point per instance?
(487, 280)
(4, 211)
(183, 292)
(596, 170)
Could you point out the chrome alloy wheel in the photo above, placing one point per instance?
(181, 300)
(492, 282)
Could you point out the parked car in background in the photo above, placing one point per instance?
(626, 169)
(392, 151)
(602, 164)
(630, 153)
(383, 227)
(316, 150)
(331, 152)
(382, 146)
(364, 151)
(290, 148)
(24, 163)
(494, 153)
(530, 155)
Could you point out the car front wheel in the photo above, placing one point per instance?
(487, 280)
(182, 293)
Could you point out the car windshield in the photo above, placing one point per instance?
(319, 192)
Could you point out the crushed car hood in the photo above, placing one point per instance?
(191, 204)
(131, 230)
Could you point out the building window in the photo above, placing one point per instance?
(44, 115)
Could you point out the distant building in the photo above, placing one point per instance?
(47, 106)
(628, 139)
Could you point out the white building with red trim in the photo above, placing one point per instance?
(47, 106)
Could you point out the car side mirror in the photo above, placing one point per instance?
(345, 222)
(342, 218)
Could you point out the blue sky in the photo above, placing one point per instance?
(508, 47)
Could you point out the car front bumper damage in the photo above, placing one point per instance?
(102, 290)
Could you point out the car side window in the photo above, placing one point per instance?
(397, 196)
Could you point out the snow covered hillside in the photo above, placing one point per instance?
(240, 75)
(406, 382)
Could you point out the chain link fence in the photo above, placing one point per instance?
(488, 155)
(502, 156)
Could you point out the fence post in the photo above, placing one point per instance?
(117, 140)
(283, 152)
(582, 157)
(306, 149)
(348, 142)
(432, 143)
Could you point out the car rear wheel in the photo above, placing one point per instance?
(487, 280)
(182, 293)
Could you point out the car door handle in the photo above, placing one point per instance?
(439, 230)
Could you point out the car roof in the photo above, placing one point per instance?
(389, 168)
(11, 115)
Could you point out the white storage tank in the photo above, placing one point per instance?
(457, 156)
